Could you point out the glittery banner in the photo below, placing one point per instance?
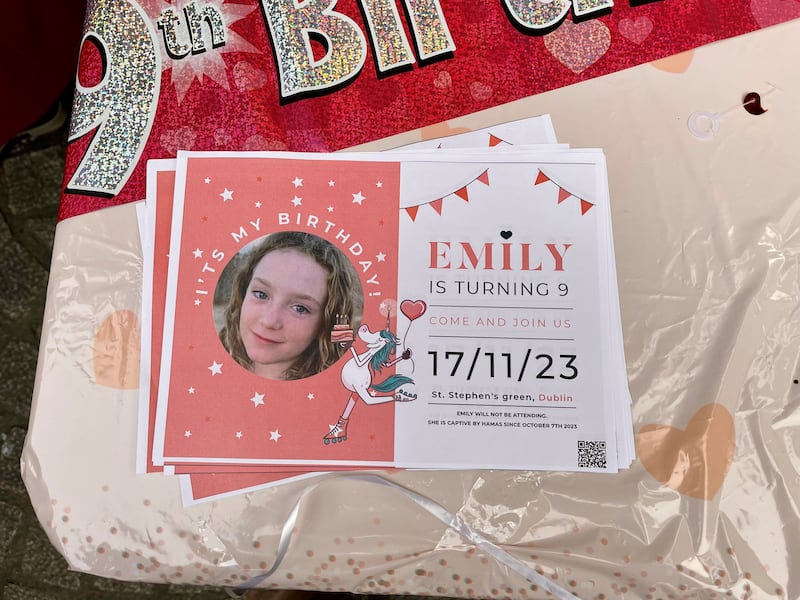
(323, 75)
(121, 107)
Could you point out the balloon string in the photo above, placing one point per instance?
(405, 335)
(453, 521)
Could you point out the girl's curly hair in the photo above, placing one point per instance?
(344, 300)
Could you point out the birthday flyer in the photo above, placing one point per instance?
(503, 298)
(154, 224)
(418, 309)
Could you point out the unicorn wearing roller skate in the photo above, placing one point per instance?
(357, 375)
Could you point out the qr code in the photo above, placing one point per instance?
(592, 455)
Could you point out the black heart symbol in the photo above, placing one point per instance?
(505, 234)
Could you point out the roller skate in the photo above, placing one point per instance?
(338, 432)
(404, 396)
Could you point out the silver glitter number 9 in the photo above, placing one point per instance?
(122, 106)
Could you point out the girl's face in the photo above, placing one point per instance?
(282, 310)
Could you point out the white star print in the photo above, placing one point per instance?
(257, 399)
(238, 435)
(330, 209)
(227, 195)
(310, 396)
(274, 435)
(358, 198)
(379, 184)
(331, 183)
(258, 204)
(190, 390)
(297, 182)
(215, 368)
(187, 434)
(197, 253)
(197, 301)
(297, 201)
(381, 257)
(207, 180)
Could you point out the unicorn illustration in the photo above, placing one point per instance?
(357, 375)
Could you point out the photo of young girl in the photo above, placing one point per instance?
(279, 300)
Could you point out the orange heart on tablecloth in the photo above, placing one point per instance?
(693, 461)
(440, 130)
(677, 63)
(116, 351)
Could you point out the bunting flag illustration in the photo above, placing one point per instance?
(563, 193)
(461, 192)
(541, 178)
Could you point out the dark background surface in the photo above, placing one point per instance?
(31, 170)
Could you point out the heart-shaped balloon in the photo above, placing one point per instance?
(413, 309)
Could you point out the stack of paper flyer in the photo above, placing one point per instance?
(450, 305)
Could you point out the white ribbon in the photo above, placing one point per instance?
(445, 516)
